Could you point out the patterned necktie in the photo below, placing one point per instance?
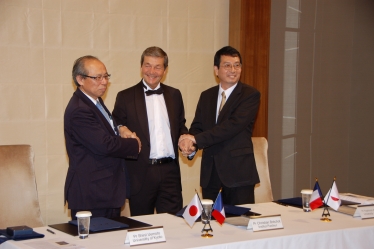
(223, 101)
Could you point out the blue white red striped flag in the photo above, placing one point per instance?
(316, 198)
(218, 210)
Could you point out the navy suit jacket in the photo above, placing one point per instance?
(228, 142)
(130, 110)
(96, 177)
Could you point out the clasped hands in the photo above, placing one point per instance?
(186, 144)
(124, 132)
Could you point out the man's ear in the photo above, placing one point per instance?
(215, 70)
(80, 80)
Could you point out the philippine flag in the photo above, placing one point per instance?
(193, 211)
(316, 198)
(332, 198)
(218, 210)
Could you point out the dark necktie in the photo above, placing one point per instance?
(158, 91)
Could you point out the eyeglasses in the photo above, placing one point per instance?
(99, 77)
(228, 66)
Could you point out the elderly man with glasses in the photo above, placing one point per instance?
(96, 178)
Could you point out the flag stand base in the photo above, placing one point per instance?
(206, 230)
(325, 214)
(325, 219)
(207, 235)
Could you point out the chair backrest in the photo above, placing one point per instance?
(263, 192)
(19, 204)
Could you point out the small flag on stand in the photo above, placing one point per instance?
(332, 198)
(316, 198)
(193, 210)
(218, 210)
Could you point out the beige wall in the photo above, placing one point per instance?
(39, 41)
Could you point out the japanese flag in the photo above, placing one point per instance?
(332, 198)
(193, 211)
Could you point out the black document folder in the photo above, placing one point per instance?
(297, 202)
(128, 224)
(230, 211)
(98, 224)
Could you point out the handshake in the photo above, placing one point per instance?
(186, 144)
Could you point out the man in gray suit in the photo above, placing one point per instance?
(222, 127)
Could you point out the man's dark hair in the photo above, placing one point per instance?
(228, 51)
(79, 69)
(155, 52)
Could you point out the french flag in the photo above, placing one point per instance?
(316, 198)
(218, 210)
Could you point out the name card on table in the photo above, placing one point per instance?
(262, 223)
(364, 211)
(147, 235)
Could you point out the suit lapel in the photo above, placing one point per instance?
(213, 107)
(141, 109)
(88, 102)
(232, 99)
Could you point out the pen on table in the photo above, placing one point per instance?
(50, 231)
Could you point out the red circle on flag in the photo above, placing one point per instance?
(193, 210)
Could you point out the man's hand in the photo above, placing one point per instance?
(186, 143)
(126, 133)
(136, 137)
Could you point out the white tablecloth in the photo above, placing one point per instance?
(301, 230)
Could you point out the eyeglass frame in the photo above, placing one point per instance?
(98, 78)
(229, 66)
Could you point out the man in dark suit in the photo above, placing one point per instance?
(222, 127)
(155, 112)
(96, 178)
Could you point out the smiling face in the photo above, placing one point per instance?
(92, 87)
(226, 72)
(153, 70)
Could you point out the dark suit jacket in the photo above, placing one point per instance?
(96, 176)
(227, 143)
(130, 110)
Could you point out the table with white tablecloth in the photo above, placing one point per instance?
(301, 230)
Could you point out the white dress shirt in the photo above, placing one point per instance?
(159, 125)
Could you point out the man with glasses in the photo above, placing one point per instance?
(155, 112)
(96, 178)
(222, 128)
